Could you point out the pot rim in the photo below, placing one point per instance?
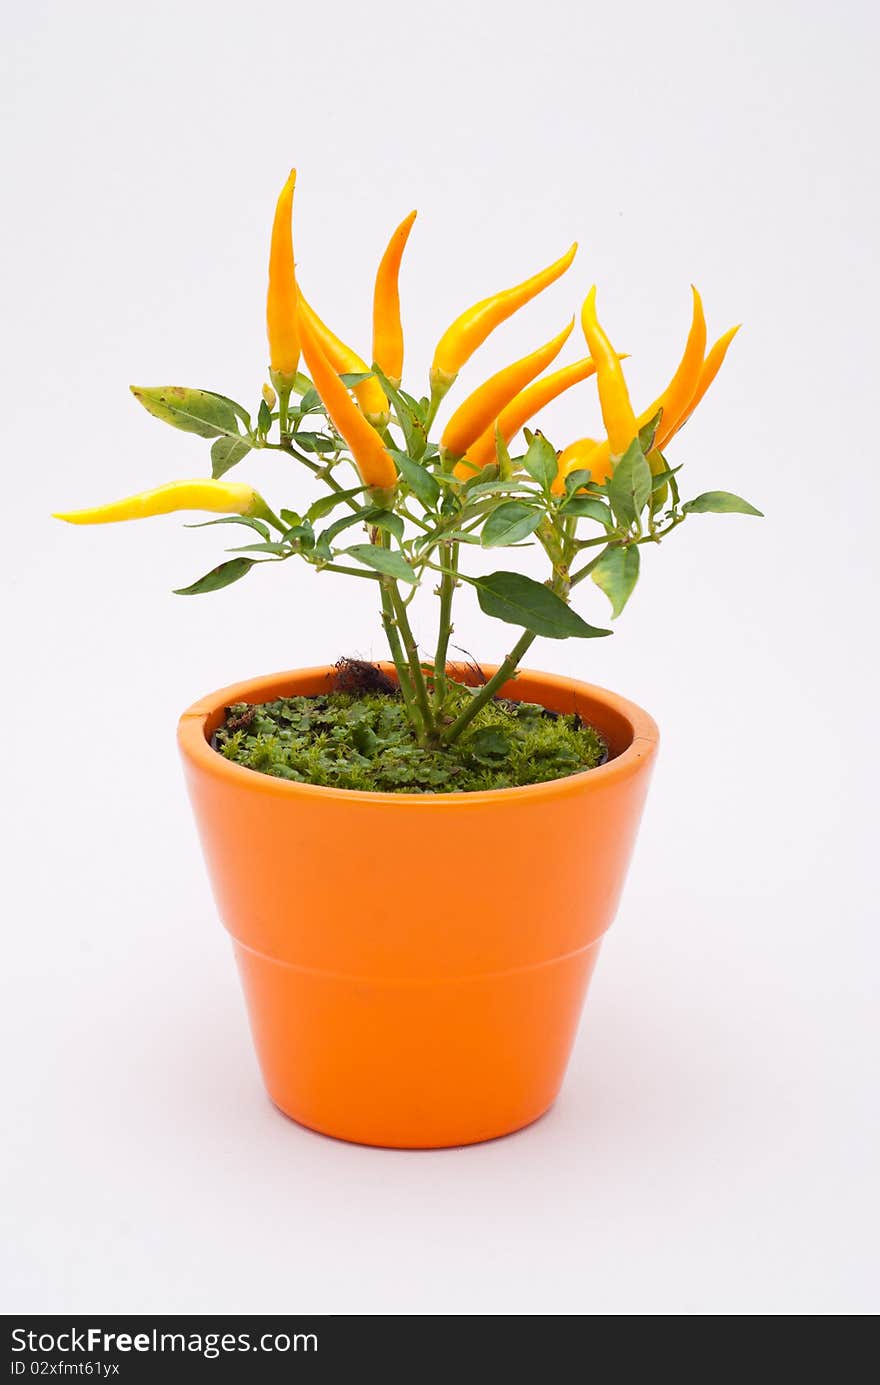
(195, 745)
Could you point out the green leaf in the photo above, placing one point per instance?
(278, 549)
(646, 434)
(355, 377)
(588, 507)
(489, 745)
(302, 533)
(616, 574)
(248, 520)
(540, 461)
(385, 519)
(421, 482)
(218, 577)
(483, 476)
(325, 504)
(310, 402)
(516, 599)
(226, 453)
(315, 442)
(575, 479)
(512, 487)
(344, 522)
(193, 411)
(629, 488)
(417, 407)
(660, 478)
(236, 408)
(410, 421)
(511, 522)
(720, 503)
(502, 456)
(264, 417)
(459, 535)
(384, 560)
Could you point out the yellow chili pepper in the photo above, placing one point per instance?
(472, 327)
(281, 319)
(586, 454)
(617, 411)
(690, 381)
(710, 369)
(223, 497)
(518, 412)
(387, 330)
(369, 393)
(678, 393)
(480, 410)
(371, 457)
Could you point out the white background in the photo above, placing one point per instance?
(715, 1147)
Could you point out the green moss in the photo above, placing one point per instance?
(363, 741)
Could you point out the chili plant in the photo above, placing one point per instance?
(398, 508)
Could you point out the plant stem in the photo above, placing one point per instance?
(488, 690)
(315, 467)
(283, 404)
(438, 392)
(415, 663)
(561, 585)
(403, 679)
(447, 592)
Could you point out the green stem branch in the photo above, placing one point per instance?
(316, 468)
(447, 592)
(505, 671)
(412, 652)
(404, 681)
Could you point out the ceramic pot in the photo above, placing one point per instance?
(415, 965)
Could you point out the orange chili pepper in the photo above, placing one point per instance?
(617, 411)
(461, 339)
(387, 330)
(692, 378)
(678, 393)
(281, 321)
(520, 410)
(710, 369)
(480, 409)
(371, 457)
(369, 393)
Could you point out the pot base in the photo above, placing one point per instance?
(415, 1064)
(374, 1144)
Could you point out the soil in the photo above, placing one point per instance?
(356, 736)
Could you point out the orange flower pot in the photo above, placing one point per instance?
(415, 965)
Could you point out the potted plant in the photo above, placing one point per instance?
(388, 1005)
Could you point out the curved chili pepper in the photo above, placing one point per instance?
(676, 398)
(387, 330)
(369, 393)
(371, 457)
(480, 410)
(526, 404)
(223, 497)
(710, 369)
(692, 378)
(617, 411)
(281, 299)
(471, 328)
